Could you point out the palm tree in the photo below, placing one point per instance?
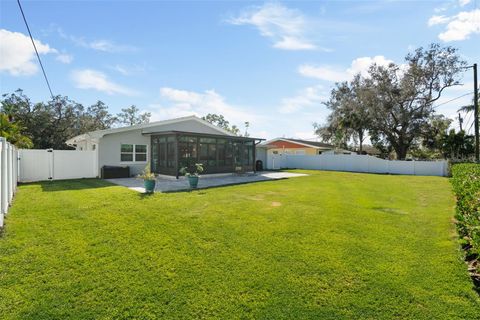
(468, 108)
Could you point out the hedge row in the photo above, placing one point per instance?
(466, 185)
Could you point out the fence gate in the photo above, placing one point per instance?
(40, 165)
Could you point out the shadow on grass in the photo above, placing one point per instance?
(68, 185)
(229, 184)
(145, 195)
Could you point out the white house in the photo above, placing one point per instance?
(169, 145)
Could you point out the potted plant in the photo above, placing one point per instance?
(149, 179)
(192, 174)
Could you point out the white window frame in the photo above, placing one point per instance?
(134, 153)
(145, 153)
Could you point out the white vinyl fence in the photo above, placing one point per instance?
(39, 165)
(357, 163)
(8, 176)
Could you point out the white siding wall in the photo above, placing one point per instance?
(357, 163)
(109, 150)
(261, 154)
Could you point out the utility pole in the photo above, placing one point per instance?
(460, 121)
(475, 104)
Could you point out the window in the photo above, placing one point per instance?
(300, 152)
(133, 152)
(187, 151)
(170, 153)
(248, 154)
(126, 152)
(208, 151)
(140, 152)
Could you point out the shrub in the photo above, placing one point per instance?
(466, 185)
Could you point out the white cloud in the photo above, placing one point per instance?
(434, 20)
(361, 65)
(311, 96)
(17, 56)
(325, 72)
(107, 46)
(463, 2)
(458, 27)
(128, 70)
(306, 135)
(99, 45)
(336, 74)
(64, 58)
(179, 103)
(291, 43)
(284, 26)
(462, 26)
(184, 96)
(92, 79)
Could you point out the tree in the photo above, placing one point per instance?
(131, 116)
(457, 145)
(220, 121)
(49, 124)
(247, 125)
(468, 108)
(403, 97)
(349, 118)
(333, 132)
(97, 117)
(13, 132)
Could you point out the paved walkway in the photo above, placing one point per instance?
(169, 185)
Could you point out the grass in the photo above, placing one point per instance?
(328, 246)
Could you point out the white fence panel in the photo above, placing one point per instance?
(401, 167)
(275, 161)
(35, 165)
(376, 165)
(8, 176)
(427, 168)
(357, 163)
(39, 165)
(72, 164)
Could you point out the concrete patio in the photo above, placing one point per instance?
(170, 184)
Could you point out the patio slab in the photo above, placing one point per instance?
(171, 185)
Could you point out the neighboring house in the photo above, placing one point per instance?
(371, 151)
(295, 146)
(169, 145)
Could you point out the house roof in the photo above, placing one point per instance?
(306, 143)
(95, 135)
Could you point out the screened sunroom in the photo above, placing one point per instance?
(173, 150)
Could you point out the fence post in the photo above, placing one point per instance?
(1, 182)
(9, 173)
(51, 164)
(3, 177)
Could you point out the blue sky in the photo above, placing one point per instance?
(269, 63)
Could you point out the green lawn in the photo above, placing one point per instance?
(328, 246)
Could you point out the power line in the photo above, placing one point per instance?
(468, 120)
(463, 95)
(36, 51)
(468, 132)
